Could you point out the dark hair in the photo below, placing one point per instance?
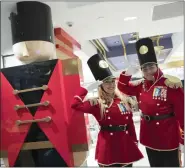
(148, 65)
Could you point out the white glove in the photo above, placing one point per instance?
(93, 85)
(181, 148)
(131, 70)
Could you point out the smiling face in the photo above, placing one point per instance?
(149, 70)
(109, 85)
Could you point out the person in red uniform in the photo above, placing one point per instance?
(161, 101)
(117, 141)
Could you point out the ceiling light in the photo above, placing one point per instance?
(100, 17)
(132, 41)
(130, 18)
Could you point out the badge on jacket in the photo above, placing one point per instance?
(122, 108)
(160, 93)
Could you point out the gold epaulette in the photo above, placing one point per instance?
(173, 82)
(137, 82)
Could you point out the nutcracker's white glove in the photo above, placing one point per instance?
(131, 70)
(93, 85)
(181, 148)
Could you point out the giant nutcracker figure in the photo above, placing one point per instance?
(161, 100)
(38, 128)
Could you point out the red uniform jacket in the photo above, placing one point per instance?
(157, 134)
(112, 147)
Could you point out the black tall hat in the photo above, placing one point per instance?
(33, 22)
(145, 51)
(99, 67)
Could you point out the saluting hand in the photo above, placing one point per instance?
(132, 70)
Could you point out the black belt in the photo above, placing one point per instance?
(159, 117)
(114, 128)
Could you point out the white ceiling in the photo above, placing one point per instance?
(78, 4)
(87, 26)
(93, 20)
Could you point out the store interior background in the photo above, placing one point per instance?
(111, 24)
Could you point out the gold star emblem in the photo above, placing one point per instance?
(103, 64)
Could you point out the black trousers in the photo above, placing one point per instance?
(163, 158)
(117, 165)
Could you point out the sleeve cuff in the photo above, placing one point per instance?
(81, 94)
(78, 97)
(124, 73)
(124, 79)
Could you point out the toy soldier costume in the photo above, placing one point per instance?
(117, 141)
(162, 105)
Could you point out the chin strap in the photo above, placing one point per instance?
(103, 89)
(156, 80)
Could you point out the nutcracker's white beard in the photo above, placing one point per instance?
(34, 51)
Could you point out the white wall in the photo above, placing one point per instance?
(88, 77)
(178, 72)
(6, 36)
(1, 62)
(10, 61)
